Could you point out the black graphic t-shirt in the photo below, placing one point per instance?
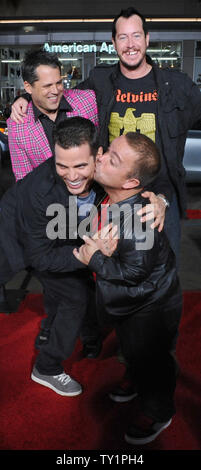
(135, 107)
(135, 110)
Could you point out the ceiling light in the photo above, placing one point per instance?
(67, 58)
(8, 61)
(95, 20)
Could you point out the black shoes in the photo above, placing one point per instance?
(92, 349)
(145, 430)
(123, 393)
(42, 337)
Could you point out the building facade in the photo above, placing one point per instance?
(79, 51)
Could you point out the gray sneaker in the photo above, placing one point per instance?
(61, 384)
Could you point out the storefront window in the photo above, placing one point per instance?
(106, 54)
(166, 54)
(10, 78)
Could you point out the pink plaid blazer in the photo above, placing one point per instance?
(28, 143)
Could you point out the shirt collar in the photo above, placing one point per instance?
(63, 106)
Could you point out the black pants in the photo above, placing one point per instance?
(68, 296)
(146, 340)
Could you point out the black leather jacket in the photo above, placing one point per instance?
(178, 109)
(139, 273)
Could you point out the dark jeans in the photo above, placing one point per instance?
(145, 340)
(90, 330)
(67, 303)
(67, 298)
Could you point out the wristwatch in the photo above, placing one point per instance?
(163, 198)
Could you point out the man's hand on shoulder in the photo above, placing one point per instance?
(19, 110)
(155, 210)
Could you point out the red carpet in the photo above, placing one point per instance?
(34, 417)
(194, 214)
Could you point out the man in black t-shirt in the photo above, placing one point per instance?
(162, 103)
(135, 105)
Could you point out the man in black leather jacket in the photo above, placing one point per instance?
(137, 287)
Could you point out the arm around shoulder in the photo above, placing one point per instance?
(19, 108)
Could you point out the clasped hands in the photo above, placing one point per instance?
(104, 240)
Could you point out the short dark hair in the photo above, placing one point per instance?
(148, 163)
(34, 58)
(76, 131)
(126, 14)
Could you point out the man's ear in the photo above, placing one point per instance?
(147, 39)
(131, 183)
(100, 152)
(28, 87)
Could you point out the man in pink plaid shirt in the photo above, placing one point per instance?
(30, 142)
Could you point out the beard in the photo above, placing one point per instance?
(131, 67)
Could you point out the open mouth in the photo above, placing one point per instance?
(54, 99)
(74, 184)
(131, 53)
